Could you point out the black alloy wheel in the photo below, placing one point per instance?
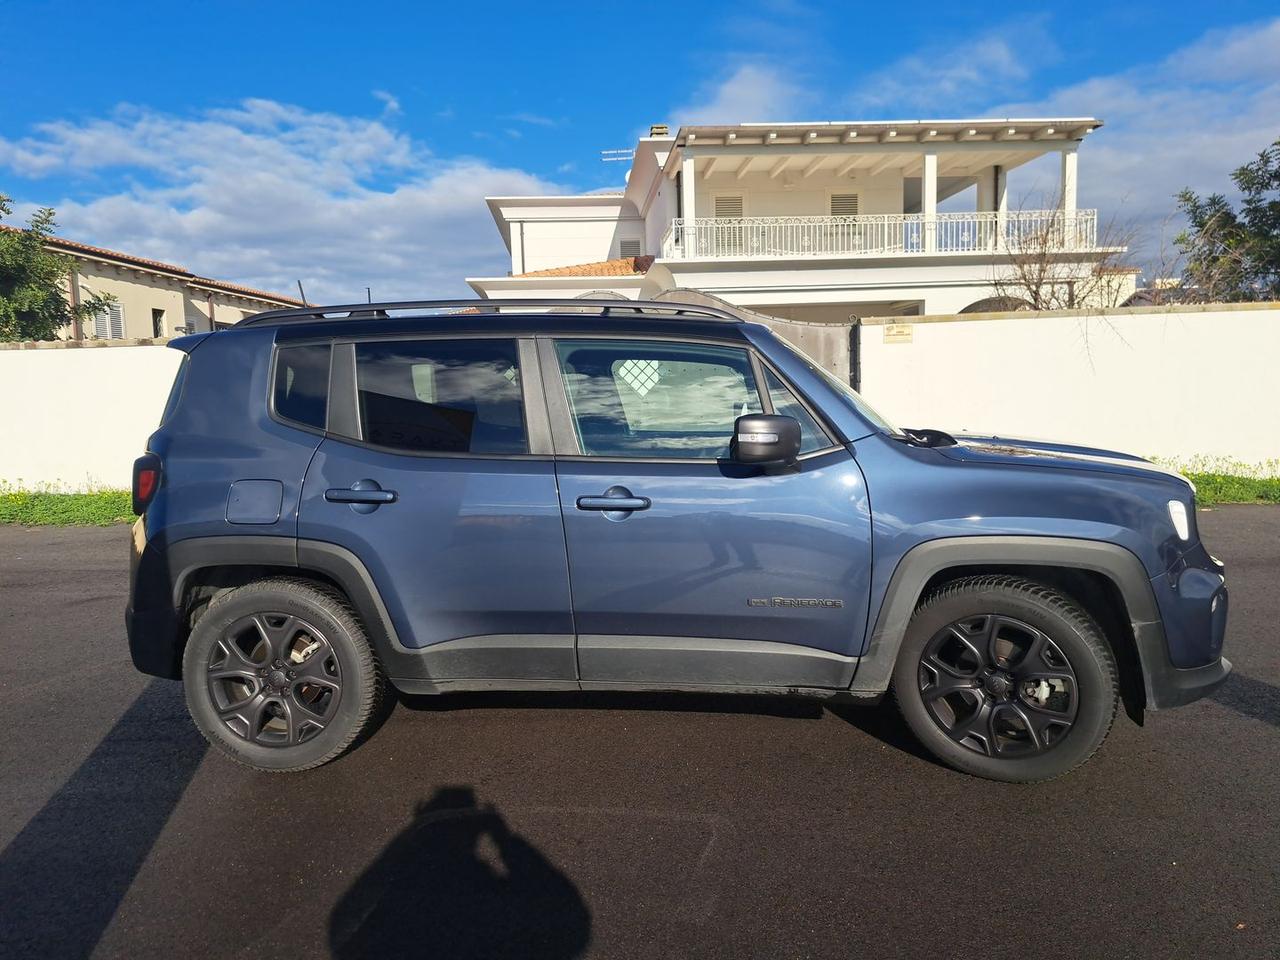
(999, 686)
(274, 679)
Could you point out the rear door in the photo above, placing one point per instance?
(436, 472)
(688, 569)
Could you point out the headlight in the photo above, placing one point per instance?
(1181, 523)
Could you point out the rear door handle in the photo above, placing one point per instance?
(615, 498)
(365, 496)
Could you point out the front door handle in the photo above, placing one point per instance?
(365, 496)
(615, 498)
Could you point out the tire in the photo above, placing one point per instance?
(280, 677)
(1006, 679)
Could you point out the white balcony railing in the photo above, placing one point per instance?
(880, 234)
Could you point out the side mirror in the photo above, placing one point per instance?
(766, 439)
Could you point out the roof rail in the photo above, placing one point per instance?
(382, 311)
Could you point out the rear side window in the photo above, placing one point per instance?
(175, 392)
(302, 384)
(441, 396)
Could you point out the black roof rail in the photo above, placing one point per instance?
(381, 311)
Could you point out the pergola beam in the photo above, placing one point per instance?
(889, 161)
(848, 166)
(779, 167)
(812, 168)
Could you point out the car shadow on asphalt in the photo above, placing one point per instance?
(458, 882)
(64, 875)
(880, 721)
(1253, 698)
(764, 705)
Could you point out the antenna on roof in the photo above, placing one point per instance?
(302, 295)
(613, 156)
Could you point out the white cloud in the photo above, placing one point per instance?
(1186, 120)
(943, 80)
(267, 193)
(533, 119)
(390, 103)
(752, 92)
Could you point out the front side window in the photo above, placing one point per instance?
(656, 400)
(441, 396)
(302, 384)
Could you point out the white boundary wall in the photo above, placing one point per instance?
(1174, 382)
(76, 417)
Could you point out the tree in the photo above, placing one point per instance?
(1060, 261)
(32, 303)
(1232, 255)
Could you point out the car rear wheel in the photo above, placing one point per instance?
(280, 676)
(1006, 678)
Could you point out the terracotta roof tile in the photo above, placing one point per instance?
(247, 291)
(61, 244)
(618, 267)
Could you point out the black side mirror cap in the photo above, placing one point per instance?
(766, 439)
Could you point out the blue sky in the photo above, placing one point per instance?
(350, 145)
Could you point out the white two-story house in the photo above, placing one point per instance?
(810, 221)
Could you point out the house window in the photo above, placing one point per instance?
(157, 323)
(844, 204)
(629, 248)
(729, 206)
(108, 323)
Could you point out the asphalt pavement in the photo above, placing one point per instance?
(635, 825)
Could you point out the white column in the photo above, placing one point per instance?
(929, 200)
(1069, 233)
(687, 183)
(1001, 203)
(1069, 181)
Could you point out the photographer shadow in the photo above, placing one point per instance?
(458, 883)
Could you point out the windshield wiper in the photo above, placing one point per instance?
(926, 437)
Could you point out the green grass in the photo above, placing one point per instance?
(100, 508)
(1215, 488)
(1223, 480)
(1217, 481)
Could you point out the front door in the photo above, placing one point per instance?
(688, 569)
(438, 490)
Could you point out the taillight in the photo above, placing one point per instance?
(146, 481)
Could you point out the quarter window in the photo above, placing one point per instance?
(655, 399)
(302, 384)
(812, 436)
(441, 396)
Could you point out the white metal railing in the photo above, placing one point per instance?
(880, 234)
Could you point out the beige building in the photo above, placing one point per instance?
(153, 299)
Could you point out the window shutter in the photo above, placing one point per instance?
(116, 314)
(844, 204)
(629, 248)
(101, 325)
(729, 207)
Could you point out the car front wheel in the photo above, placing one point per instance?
(1006, 678)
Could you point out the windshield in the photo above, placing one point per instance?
(849, 395)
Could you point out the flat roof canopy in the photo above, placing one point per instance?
(828, 132)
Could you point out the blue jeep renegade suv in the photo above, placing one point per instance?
(630, 496)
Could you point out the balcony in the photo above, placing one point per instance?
(879, 235)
